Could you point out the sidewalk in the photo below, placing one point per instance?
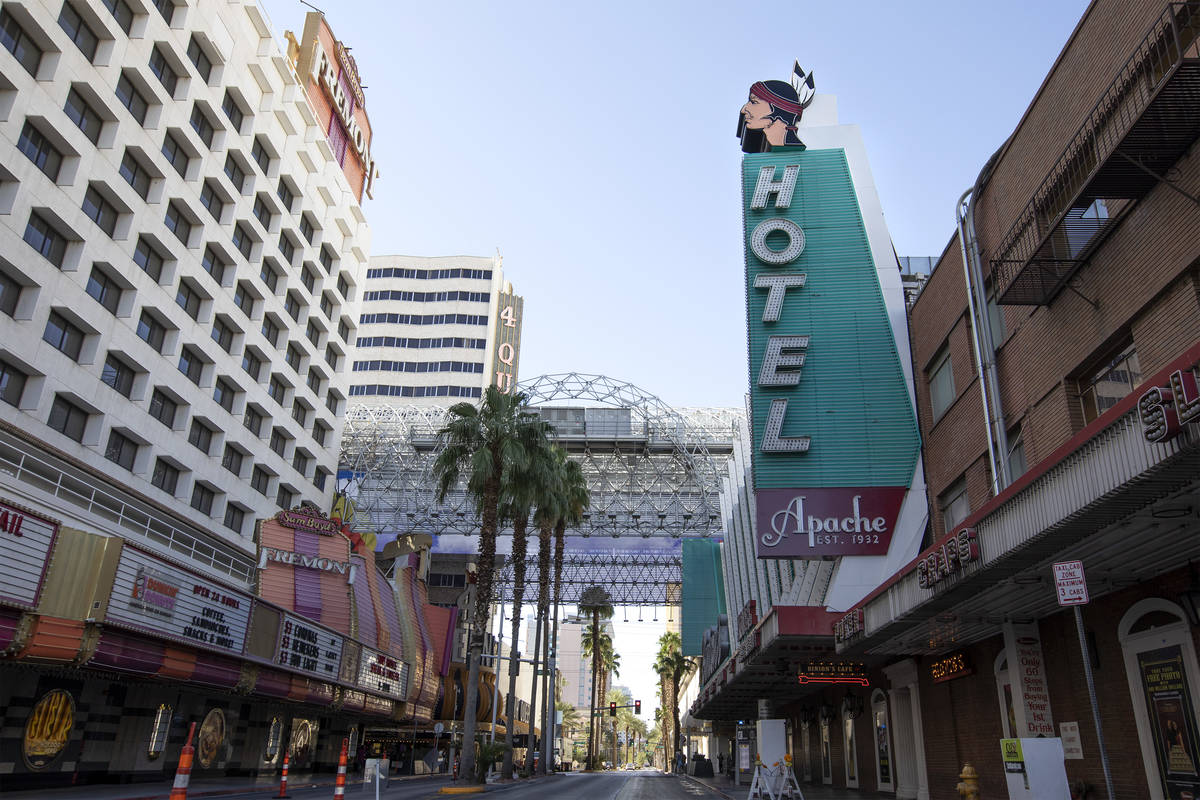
(725, 787)
(262, 787)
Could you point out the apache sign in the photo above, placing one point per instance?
(834, 431)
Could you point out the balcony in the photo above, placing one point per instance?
(1142, 125)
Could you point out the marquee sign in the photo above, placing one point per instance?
(834, 431)
(26, 541)
(952, 666)
(268, 554)
(948, 559)
(849, 627)
(382, 673)
(309, 648)
(150, 595)
(1164, 410)
(835, 672)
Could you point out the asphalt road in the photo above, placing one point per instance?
(646, 784)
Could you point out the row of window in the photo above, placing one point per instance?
(71, 419)
(46, 240)
(421, 344)
(429, 274)
(384, 390)
(426, 319)
(427, 297)
(418, 366)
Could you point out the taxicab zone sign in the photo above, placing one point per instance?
(835, 441)
(1070, 583)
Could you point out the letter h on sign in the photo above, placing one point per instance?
(784, 355)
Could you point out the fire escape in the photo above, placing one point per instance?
(1142, 125)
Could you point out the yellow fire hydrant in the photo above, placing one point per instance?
(968, 786)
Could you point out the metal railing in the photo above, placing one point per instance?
(1170, 40)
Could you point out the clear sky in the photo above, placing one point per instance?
(593, 145)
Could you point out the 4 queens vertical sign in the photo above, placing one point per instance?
(834, 431)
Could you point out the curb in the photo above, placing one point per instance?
(273, 789)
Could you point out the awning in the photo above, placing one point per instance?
(766, 663)
(1126, 506)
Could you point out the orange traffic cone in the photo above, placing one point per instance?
(283, 778)
(339, 787)
(184, 773)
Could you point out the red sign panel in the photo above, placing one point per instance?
(808, 523)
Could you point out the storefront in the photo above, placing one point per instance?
(110, 653)
(1002, 659)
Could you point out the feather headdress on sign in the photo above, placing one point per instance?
(772, 113)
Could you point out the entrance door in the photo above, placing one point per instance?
(1164, 683)
(806, 750)
(882, 743)
(849, 750)
(826, 755)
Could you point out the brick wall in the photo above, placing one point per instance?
(962, 721)
(1143, 279)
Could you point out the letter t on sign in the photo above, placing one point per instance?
(782, 189)
(777, 286)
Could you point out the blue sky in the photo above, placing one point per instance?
(594, 146)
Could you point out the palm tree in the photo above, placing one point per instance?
(671, 666)
(517, 500)
(596, 602)
(576, 499)
(486, 445)
(550, 505)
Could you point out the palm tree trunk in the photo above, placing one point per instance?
(547, 695)
(543, 608)
(559, 538)
(527, 767)
(481, 613)
(519, 547)
(675, 708)
(592, 749)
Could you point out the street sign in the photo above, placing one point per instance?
(1070, 583)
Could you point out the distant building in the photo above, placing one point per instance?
(435, 330)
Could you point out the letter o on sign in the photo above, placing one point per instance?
(758, 241)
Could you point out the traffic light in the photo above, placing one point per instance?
(637, 706)
(612, 709)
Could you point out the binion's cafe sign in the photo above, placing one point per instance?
(834, 431)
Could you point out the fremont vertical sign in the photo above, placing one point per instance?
(835, 441)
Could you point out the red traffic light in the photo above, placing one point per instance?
(612, 709)
(637, 706)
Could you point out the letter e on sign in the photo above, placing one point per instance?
(1070, 583)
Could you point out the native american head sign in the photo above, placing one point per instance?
(773, 111)
(835, 440)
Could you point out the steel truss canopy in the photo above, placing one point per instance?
(654, 473)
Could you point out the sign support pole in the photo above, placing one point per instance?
(1091, 684)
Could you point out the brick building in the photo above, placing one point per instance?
(1048, 438)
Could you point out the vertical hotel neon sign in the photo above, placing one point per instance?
(834, 431)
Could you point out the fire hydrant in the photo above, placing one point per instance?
(968, 785)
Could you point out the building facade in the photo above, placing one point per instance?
(435, 329)
(179, 270)
(1057, 396)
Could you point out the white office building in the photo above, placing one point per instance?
(180, 253)
(434, 331)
